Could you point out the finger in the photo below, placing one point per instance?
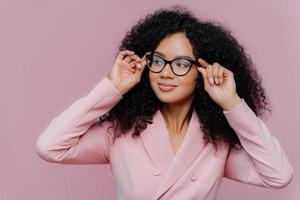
(141, 68)
(144, 57)
(209, 74)
(132, 64)
(215, 70)
(132, 60)
(203, 63)
(126, 66)
(136, 61)
(227, 73)
(220, 74)
(123, 53)
(136, 58)
(127, 59)
(143, 61)
(203, 73)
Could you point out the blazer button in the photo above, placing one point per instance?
(194, 177)
(156, 172)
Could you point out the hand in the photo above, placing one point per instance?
(219, 84)
(127, 70)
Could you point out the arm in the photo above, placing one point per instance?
(261, 161)
(71, 137)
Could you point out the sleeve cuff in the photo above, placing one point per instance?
(104, 89)
(241, 115)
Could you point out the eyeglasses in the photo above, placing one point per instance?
(179, 66)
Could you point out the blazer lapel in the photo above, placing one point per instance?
(156, 143)
(158, 146)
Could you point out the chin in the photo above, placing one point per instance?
(174, 96)
(168, 100)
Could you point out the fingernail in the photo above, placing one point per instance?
(217, 81)
(211, 81)
(139, 65)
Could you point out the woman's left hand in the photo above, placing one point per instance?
(219, 84)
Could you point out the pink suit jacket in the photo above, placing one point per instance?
(146, 167)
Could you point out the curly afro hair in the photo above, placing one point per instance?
(211, 41)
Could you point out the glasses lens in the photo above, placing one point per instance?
(181, 66)
(156, 64)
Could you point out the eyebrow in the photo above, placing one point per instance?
(161, 54)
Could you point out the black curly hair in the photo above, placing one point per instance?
(211, 41)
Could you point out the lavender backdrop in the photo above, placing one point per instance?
(53, 52)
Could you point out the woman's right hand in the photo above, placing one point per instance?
(127, 70)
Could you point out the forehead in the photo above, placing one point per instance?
(174, 46)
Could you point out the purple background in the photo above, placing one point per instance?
(53, 52)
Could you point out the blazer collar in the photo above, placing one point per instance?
(158, 147)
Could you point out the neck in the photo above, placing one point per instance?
(177, 116)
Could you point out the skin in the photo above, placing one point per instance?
(178, 101)
(128, 67)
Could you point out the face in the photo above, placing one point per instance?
(169, 48)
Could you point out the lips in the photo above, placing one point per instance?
(166, 84)
(166, 87)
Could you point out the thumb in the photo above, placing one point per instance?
(203, 74)
(141, 67)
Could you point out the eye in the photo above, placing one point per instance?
(157, 60)
(182, 63)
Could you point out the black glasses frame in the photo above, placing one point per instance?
(149, 58)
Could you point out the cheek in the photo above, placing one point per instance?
(188, 82)
(151, 77)
(187, 86)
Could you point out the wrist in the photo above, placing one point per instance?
(232, 103)
(116, 85)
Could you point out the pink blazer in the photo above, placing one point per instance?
(146, 167)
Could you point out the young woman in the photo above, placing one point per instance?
(184, 100)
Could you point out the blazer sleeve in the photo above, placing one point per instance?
(261, 161)
(72, 137)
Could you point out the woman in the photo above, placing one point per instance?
(182, 95)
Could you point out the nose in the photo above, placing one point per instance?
(167, 71)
